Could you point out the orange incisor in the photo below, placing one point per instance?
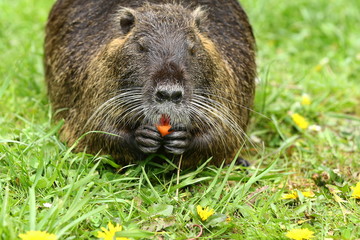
(164, 125)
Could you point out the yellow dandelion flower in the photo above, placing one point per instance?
(305, 99)
(37, 235)
(204, 213)
(318, 67)
(356, 191)
(300, 121)
(308, 194)
(109, 234)
(294, 195)
(300, 234)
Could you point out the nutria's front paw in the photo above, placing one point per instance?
(148, 139)
(177, 141)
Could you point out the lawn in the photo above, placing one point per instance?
(305, 153)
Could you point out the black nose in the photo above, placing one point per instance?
(170, 94)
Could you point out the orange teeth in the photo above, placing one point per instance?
(164, 125)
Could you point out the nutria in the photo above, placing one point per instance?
(116, 69)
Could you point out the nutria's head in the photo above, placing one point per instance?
(160, 63)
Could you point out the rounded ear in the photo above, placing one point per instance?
(127, 19)
(200, 18)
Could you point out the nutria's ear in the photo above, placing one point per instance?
(127, 19)
(200, 17)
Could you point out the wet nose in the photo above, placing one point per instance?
(169, 94)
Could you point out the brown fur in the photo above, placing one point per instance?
(90, 60)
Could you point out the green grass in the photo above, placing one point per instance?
(304, 46)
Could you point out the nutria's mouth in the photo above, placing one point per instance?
(175, 114)
(164, 119)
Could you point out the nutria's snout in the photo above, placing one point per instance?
(169, 94)
(169, 100)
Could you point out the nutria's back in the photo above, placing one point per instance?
(125, 68)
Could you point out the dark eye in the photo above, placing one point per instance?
(141, 48)
(193, 50)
